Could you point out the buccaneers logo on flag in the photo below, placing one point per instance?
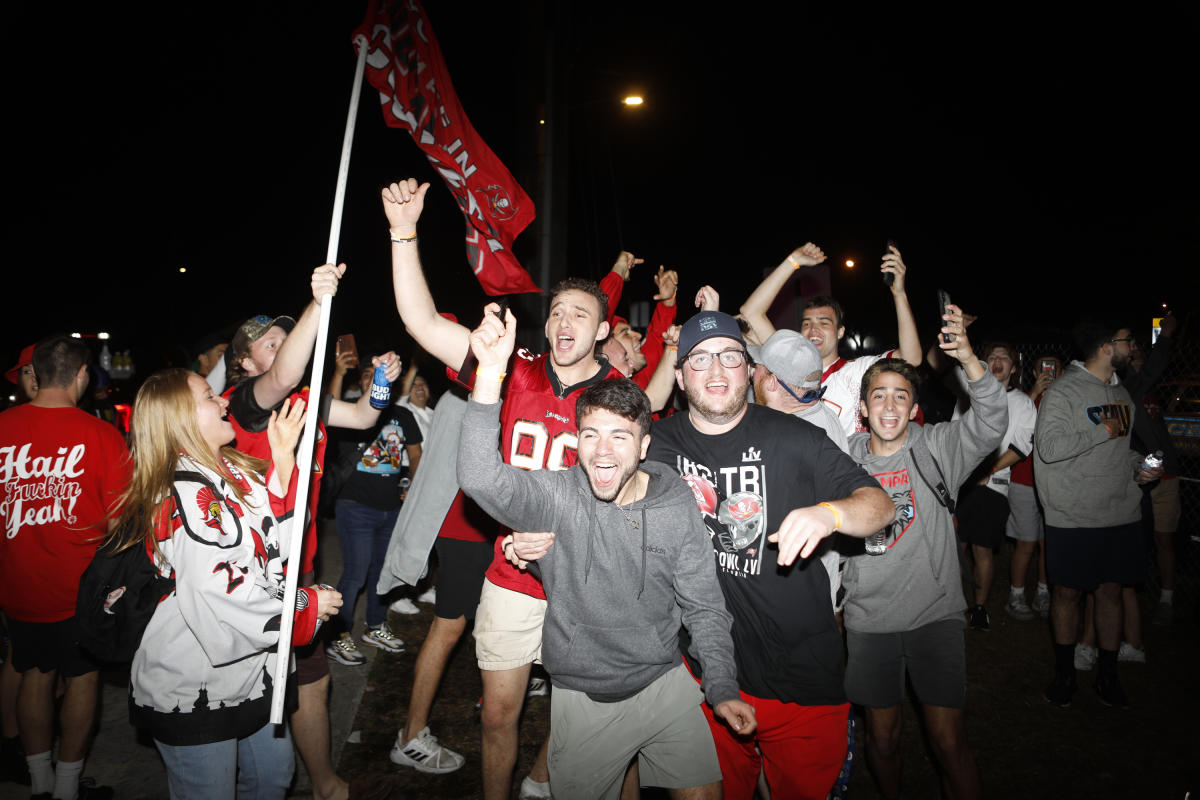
(404, 62)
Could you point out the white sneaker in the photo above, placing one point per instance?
(404, 606)
(1041, 604)
(344, 651)
(1130, 653)
(538, 687)
(429, 596)
(1085, 656)
(533, 790)
(1017, 608)
(424, 754)
(383, 638)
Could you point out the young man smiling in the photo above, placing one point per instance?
(763, 478)
(904, 607)
(630, 563)
(538, 424)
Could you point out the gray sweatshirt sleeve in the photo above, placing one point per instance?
(1058, 435)
(960, 445)
(704, 614)
(521, 499)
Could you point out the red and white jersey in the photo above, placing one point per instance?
(843, 389)
(537, 431)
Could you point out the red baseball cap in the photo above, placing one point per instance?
(26, 358)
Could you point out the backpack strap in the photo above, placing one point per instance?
(927, 467)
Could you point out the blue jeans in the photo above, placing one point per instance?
(364, 533)
(258, 767)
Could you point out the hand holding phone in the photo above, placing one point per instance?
(943, 310)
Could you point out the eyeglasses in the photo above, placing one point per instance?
(1129, 339)
(701, 360)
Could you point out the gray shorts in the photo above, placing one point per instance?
(592, 743)
(934, 656)
(1024, 516)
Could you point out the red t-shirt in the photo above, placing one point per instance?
(63, 473)
(537, 431)
(247, 418)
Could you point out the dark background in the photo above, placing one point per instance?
(1035, 161)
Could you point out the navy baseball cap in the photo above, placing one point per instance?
(707, 325)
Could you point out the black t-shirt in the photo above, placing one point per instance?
(746, 480)
(381, 459)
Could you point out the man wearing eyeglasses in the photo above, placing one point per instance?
(770, 487)
(1088, 480)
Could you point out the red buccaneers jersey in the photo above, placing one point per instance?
(537, 431)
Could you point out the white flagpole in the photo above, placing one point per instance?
(304, 457)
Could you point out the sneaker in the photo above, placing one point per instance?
(1041, 604)
(978, 619)
(429, 596)
(404, 606)
(538, 687)
(1130, 653)
(533, 790)
(1164, 614)
(1059, 692)
(1017, 608)
(344, 651)
(424, 754)
(1110, 693)
(382, 638)
(1085, 656)
(89, 790)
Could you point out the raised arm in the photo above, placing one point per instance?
(662, 382)
(283, 432)
(361, 414)
(292, 360)
(759, 302)
(443, 339)
(613, 283)
(906, 323)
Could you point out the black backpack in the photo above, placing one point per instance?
(113, 634)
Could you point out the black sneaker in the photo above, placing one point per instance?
(88, 790)
(978, 619)
(1059, 692)
(1110, 693)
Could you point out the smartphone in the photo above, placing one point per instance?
(943, 303)
(888, 277)
(345, 344)
(466, 372)
(1049, 367)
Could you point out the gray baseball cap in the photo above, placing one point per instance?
(792, 358)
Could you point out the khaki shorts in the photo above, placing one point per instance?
(508, 628)
(1164, 498)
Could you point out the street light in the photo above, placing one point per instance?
(633, 100)
(849, 263)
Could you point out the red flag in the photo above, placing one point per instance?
(404, 62)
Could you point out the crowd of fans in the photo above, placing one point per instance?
(719, 538)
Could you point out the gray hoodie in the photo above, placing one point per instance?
(918, 581)
(1084, 478)
(616, 594)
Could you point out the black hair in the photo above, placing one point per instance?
(58, 358)
(897, 365)
(621, 396)
(826, 300)
(1092, 333)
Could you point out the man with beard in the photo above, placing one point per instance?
(538, 432)
(631, 563)
(1088, 480)
(765, 478)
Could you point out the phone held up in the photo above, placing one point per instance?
(943, 310)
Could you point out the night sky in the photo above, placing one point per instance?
(1034, 162)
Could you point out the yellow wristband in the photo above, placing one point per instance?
(500, 377)
(837, 515)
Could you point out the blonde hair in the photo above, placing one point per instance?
(164, 428)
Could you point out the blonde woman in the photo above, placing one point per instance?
(201, 680)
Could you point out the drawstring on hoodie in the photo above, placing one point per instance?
(643, 553)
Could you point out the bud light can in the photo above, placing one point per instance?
(381, 390)
(1153, 461)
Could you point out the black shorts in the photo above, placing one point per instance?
(934, 656)
(311, 663)
(1084, 558)
(48, 646)
(982, 517)
(461, 566)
